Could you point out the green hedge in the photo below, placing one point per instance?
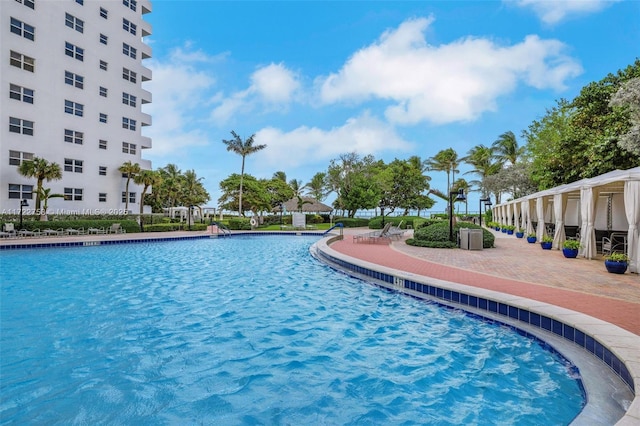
(437, 235)
(349, 222)
(240, 224)
(166, 227)
(128, 225)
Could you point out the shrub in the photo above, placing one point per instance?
(128, 225)
(240, 224)
(571, 244)
(349, 222)
(437, 235)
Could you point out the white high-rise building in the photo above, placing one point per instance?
(72, 74)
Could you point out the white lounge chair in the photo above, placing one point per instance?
(96, 231)
(116, 228)
(8, 231)
(53, 232)
(375, 236)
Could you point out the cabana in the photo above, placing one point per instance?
(593, 206)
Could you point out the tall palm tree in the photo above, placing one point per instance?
(146, 178)
(280, 175)
(445, 161)
(193, 193)
(131, 170)
(506, 148)
(242, 148)
(42, 170)
(297, 187)
(45, 195)
(316, 187)
(482, 159)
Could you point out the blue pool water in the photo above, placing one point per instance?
(251, 330)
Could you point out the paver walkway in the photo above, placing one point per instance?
(518, 268)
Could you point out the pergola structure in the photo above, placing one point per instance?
(607, 202)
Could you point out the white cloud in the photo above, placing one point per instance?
(552, 12)
(272, 86)
(178, 89)
(446, 83)
(364, 134)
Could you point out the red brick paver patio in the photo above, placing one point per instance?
(518, 268)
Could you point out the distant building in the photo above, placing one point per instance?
(72, 93)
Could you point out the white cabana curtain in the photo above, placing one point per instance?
(588, 201)
(526, 210)
(516, 216)
(540, 230)
(559, 210)
(509, 218)
(632, 210)
(503, 215)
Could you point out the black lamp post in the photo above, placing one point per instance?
(23, 203)
(487, 202)
(459, 197)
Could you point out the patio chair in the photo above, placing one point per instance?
(397, 231)
(8, 231)
(375, 236)
(116, 228)
(27, 233)
(614, 243)
(101, 230)
(53, 232)
(74, 231)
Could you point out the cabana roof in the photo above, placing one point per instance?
(311, 205)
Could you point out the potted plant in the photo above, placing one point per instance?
(531, 238)
(520, 233)
(616, 263)
(510, 229)
(570, 248)
(546, 242)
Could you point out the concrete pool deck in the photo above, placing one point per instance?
(514, 268)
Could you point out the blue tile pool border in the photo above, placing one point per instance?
(437, 293)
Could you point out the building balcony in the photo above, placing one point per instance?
(145, 6)
(145, 29)
(145, 119)
(144, 164)
(145, 97)
(145, 142)
(145, 51)
(145, 74)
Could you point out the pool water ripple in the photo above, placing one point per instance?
(251, 331)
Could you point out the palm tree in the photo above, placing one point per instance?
(242, 148)
(482, 157)
(506, 148)
(131, 170)
(193, 193)
(45, 195)
(445, 161)
(146, 178)
(316, 187)
(280, 175)
(297, 187)
(42, 170)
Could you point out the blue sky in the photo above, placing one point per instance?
(316, 79)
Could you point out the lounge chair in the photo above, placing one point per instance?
(375, 236)
(74, 231)
(27, 233)
(397, 231)
(8, 231)
(96, 231)
(615, 243)
(115, 228)
(53, 232)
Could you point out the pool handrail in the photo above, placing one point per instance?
(337, 225)
(221, 227)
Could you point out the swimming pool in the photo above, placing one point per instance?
(252, 330)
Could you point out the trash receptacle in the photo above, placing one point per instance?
(474, 239)
(464, 238)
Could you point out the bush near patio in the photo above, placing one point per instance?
(349, 222)
(437, 235)
(128, 225)
(167, 227)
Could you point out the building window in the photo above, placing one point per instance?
(20, 192)
(71, 165)
(73, 51)
(73, 108)
(18, 125)
(128, 99)
(131, 4)
(73, 22)
(129, 148)
(102, 170)
(102, 144)
(103, 39)
(103, 117)
(22, 29)
(104, 13)
(129, 26)
(20, 93)
(103, 91)
(16, 157)
(74, 79)
(22, 61)
(73, 194)
(129, 51)
(103, 65)
(28, 3)
(73, 136)
(80, 2)
(132, 197)
(129, 75)
(102, 197)
(128, 123)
